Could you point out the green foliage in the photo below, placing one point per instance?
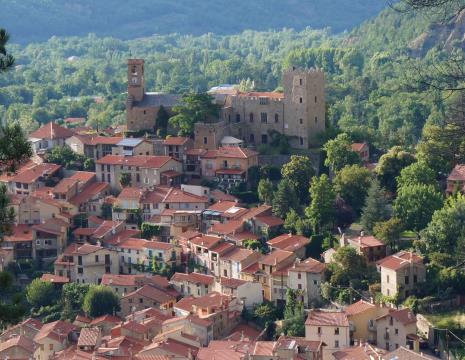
(196, 107)
(125, 179)
(321, 210)
(339, 153)
(391, 164)
(100, 300)
(6, 59)
(299, 171)
(7, 214)
(63, 155)
(416, 204)
(6, 280)
(73, 294)
(285, 199)
(254, 244)
(161, 122)
(40, 293)
(294, 315)
(375, 206)
(417, 173)
(265, 314)
(106, 211)
(149, 230)
(14, 146)
(352, 184)
(389, 231)
(265, 191)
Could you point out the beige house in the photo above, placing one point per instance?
(193, 284)
(362, 317)
(330, 327)
(86, 264)
(371, 248)
(397, 328)
(293, 243)
(93, 146)
(146, 297)
(456, 179)
(133, 147)
(18, 347)
(48, 136)
(177, 147)
(49, 239)
(232, 263)
(144, 171)
(306, 277)
(251, 293)
(401, 274)
(53, 337)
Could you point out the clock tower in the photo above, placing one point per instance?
(136, 79)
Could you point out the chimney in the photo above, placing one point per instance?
(362, 233)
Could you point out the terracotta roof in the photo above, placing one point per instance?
(18, 341)
(180, 196)
(276, 257)
(359, 307)
(400, 260)
(83, 176)
(288, 342)
(119, 280)
(326, 318)
(132, 193)
(19, 233)
(264, 348)
(212, 300)
(121, 236)
(87, 249)
(134, 327)
(457, 173)
(271, 95)
(89, 337)
(251, 269)
(152, 293)
(227, 228)
(74, 120)
(403, 353)
(89, 192)
(289, 242)
(193, 277)
(52, 226)
(31, 174)
(230, 171)
(367, 241)
(98, 140)
(64, 185)
(262, 210)
(57, 330)
(55, 278)
(243, 235)
(105, 319)
(145, 161)
(82, 319)
(175, 140)
(51, 131)
(222, 248)
(308, 265)
(243, 331)
(222, 206)
(189, 234)
(238, 254)
(170, 347)
(196, 152)
(230, 152)
(207, 241)
(270, 220)
(364, 352)
(357, 147)
(231, 283)
(404, 316)
(219, 195)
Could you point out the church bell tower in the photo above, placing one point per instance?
(136, 79)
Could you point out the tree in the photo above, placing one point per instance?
(290, 222)
(194, 108)
(285, 199)
(416, 173)
(339, 153)
(390, 166)
(294, 315)
(73, 294)
(161, 122)
(100, 300)
(352, 183)
(265, 191)
(416, 204)
(63, 155)
(446, 231)
(14, 147)
(6, 60)
(253, 244)
(375, 206)
(6, 280)
(389, 231)
(321, 210)
(40, 293)
(7, 213)
(125, 179)
(265, 314)
(149, 230)
(299, 171)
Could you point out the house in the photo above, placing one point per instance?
(232, 263)
(220, 212)
(86, 264)
(215, 254)
(288, 242)
(200, 248)
(362, 351)
(368, 246)
(401, 274)
(90, 339)
(177, 147)
(363, 150)
(105, 323)
(306, 276)
(133, 147)
(193, 162)
(229, 164)
(94, 147)
(19, 241)
(17, 347)
(330, 327)
(291, 347)
(27, 328)
(143, 170)
(49, 239)
(193, 284)
(90, 199)
(145, 297)
(48, 136)
(362, 317)
(397, 328)
(168, 349)
(251, 293)
(407, 354)
(54, 337)
(456, 179)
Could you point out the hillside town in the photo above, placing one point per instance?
(186, 259)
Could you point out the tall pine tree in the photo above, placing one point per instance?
(375, 206)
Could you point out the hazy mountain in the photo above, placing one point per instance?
(32, 20)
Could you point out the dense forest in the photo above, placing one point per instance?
(368, 77)
(38, 20)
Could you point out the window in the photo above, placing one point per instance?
(299, 276)
(137, 177)
(107, 270)
(96, 258)
(80, 271)
(251, 117)
(301, 121)
(301, 82)
(316, 119)
(316, 99)
(396, 331)
(301, 139)
(225, 273)
(238, 118)
(263, 101)
(319, 330)
(387, 279)
(299, 286)
(397, 346)
(252, 138)
(406, 279)
(315, 282)
(145, 112)
(109, 178)
(50, 347)
(391, 320)
(301, 100)
(102, 167)
(264, 139)
(79, 260)
(264, 117)
(108, 168)
(205, 140)
(336, 331)
(336, 343)
(141, 301)
(415, 279)
(276, 118)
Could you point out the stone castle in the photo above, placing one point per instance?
(298, 112)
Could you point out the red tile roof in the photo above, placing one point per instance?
(223, 248)
(289, 242)
(175, 140)
(151, 292)
(287, 342)
(133, 193)
(83, 176)
(400, 260)
(87, 249)
(308, 265)
(52, 226)
(98, 140)
(145, 161)
(55, 278)
(237, 254)
(457, 173)
(276, 257)
(326, 318)
(358, 353)
(367, 241)
(105, 319)
(357, 147)
(64, 185)
(30, 174)
(230, 152)
(22, 342)
(264, 348)
(219, 195)
(57, 330)
(19, 233)
(207, 241)
(195, 278)
(271, 95)
(89, 337)
(231, 283)
(404, 316)
(222, 206)
(359, 307)
(227, 228)
(89, 192)
(51, 131)
(134, 327)
(270, 220)
(180, 196)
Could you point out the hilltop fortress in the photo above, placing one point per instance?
(298, 112)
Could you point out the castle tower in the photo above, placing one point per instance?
(136, 79)
(305, 105)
